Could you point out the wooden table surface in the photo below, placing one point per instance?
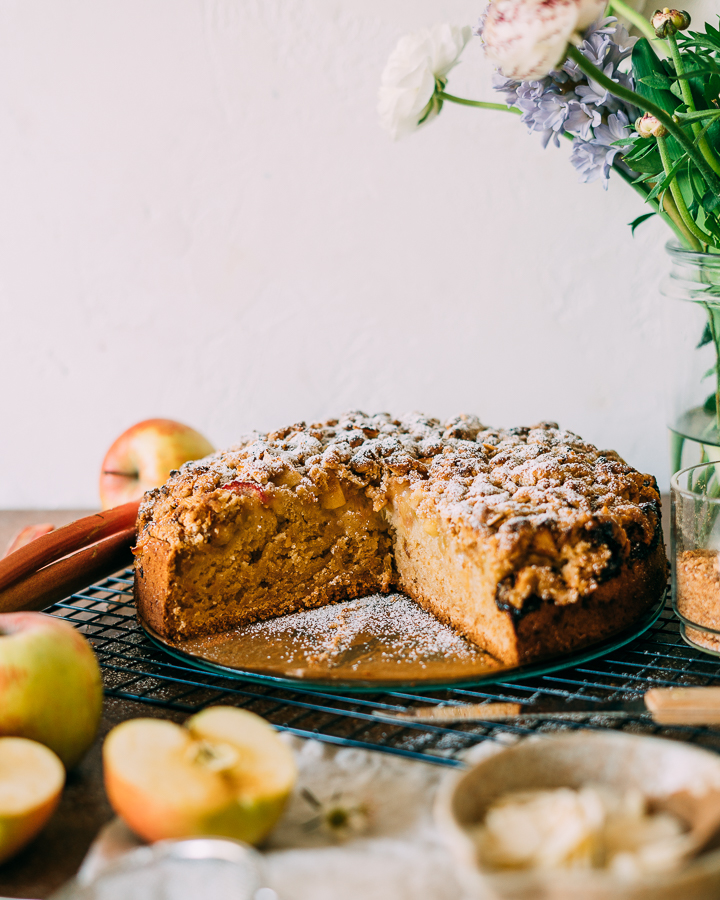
(56, 854)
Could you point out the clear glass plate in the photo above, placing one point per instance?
(350, 647)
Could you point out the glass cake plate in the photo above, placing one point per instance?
(381, 642)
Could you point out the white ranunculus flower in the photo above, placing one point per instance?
(420, 60)
(526, 39)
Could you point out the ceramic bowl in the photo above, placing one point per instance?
(655, 766)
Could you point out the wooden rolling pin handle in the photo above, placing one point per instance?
(684, 705)
(70, 574)
(65, 540)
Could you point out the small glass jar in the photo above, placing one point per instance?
(691, 360)
(695, 547)
(183, 869)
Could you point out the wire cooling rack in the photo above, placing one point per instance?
(135, 669)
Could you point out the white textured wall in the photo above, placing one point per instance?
(201, 219)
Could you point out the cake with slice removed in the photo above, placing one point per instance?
(529, 541)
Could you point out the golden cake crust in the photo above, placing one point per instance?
(553, 521)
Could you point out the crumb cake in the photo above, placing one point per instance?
(529, 541)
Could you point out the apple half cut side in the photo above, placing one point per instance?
(225, 772)
(31, 782)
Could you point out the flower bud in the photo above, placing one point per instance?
(649, 126)
(667, 22)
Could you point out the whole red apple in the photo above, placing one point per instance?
(50, 685)
(143, 457)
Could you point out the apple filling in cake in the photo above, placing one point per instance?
(263, 553)
(529, 541)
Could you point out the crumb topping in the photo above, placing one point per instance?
(512, 484)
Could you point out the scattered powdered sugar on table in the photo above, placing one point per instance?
(390, 626)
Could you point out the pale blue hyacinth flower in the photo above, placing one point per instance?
(566, 102)
(593, 159)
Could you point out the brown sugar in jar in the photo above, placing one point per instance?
(698, 594)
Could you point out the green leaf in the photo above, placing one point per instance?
(697, 183)
(698, 71)
(712, 225)
(645, 162)
(710, 405)
(644, 64)
(683, 182)
(642, 148)
(706, 336)
(656, 80)
(710, 40)
(698, 115)
(648, 177)
(703, 40)
(640, 219)
(710, 202)
(711, 89)
(661, 185)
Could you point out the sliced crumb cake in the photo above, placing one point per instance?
(529, 541)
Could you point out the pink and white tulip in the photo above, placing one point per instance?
(526, 39)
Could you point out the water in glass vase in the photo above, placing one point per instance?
(694, 439)
(691, 361)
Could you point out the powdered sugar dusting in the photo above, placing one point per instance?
(486, 479)
(347, 632)
(382, 638)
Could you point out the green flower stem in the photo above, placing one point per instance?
(668, 212)
(684, 83)
(677, 194)
(670, 216)
(637, 100)
(674, 214)
(634, 17)
(687, 96)
(715, 336)
(481, 104)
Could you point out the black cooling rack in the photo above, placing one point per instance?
(135, 669)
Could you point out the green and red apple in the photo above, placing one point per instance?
(50, 684)
(31, 782)
(143, 457)
(224, 772)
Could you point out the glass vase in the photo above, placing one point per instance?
(692, 358)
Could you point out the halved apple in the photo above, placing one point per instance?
(225, 772)
(31, 782)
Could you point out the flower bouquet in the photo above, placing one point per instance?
(645, 108)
